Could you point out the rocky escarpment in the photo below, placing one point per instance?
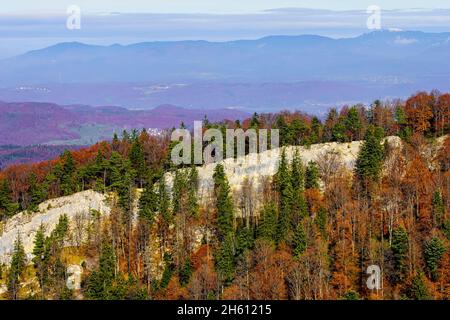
(245, 176)
(78, 208)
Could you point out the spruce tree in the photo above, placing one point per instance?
(224, 204)
(286, 194)
(298, 173)
(267, 228)
(100, 284)
(446, 229)
(438, 208)
(67, 178)
(148, 202)
(37, 192)
(299, 241)
(17, 268)
(352, 123)
(418, 289)
(40, 255)
(312, 176)
(370, 157)
(137, 159)
(434, 250)
(7, 207)
(399, 249)
(225, 259)
(178, 191)
(192, 192)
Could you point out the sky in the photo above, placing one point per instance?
(208, 6)
(28, 25)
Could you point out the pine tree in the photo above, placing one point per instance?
(178, 193)
(37, 193)
(312, 176)
(185, 273)
(267, 228)
(418, 289)
(115, 142)
(352, 123)
(286, 193)
(298, 173)
(16, 269)
(299, 241)
(40, 255)
(192, 192)
(244, 239)
(370, 157)
(225, 259)
(316, 131)
(67, 178)
(7, 207)
(446, 229)
(148, 202)
(100, 284)
(224, 204)
(137, 160)
(438, 208)
(399, 249)
(433, 252)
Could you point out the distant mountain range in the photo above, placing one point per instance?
(30, 123)
(269, 73)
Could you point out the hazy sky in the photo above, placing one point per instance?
(208, 6)
(30, 24)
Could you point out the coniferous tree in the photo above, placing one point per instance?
(17, 268)
(438, 208)
(100, 284)
(137, 160)
(433, 252)
(370, 157)
(446, 229)
(286, 194)
(192, 192)
(225, 259)
(7, 206)
(298, 174)
(399, 249)
(267, 228)
(299, 241)
(178, 193)
(312, 176)
(224, 204)
(148, 202)
(40, 257)
(418, 289)
(353, 124)
(37, 192)
(68, 184)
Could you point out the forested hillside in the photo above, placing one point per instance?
(319, 227)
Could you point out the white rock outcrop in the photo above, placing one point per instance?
(26, 224)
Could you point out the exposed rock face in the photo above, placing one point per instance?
(247, 173)
(26, 224)
(244, 174)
